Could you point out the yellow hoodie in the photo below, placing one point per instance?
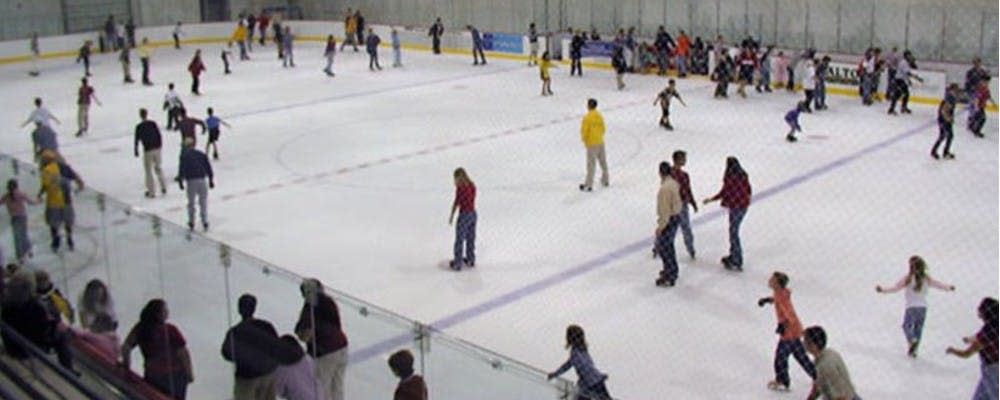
(240, 34)
(592, 129)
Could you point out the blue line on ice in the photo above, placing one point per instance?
(606, 259)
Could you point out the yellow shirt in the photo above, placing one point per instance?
(352, 25)
(592, 129)
(544, 68)
(145, 51)
(50, 185)
(240, 34)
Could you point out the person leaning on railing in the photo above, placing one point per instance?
(167, 363)
(319, 327)
(26, 315)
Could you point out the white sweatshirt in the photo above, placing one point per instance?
(914, 298)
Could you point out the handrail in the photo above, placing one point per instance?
(69, 377)
(21, 383)
(125, 381)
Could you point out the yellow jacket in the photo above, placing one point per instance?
(145, 51)
(592, 129)
(50, 184)
(668, 202)
(352, 25)
(240, 34)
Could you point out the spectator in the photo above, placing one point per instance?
(15, 200)
(295, 378)
(95, 301)
(102, 337)
(319, 327)
(27, 316)
(411, 386)
(55, 303)
(985, 344)
(167, 363)
(249, 345)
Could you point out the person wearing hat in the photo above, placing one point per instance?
(56, 212)
(319, 327)
(194, 169)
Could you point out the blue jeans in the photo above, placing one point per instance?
(867, 86)
(465, 234)
(685, 225)
(765, 79)
(987, 388)
(22, 244)
(735, 249)
(913, 323)
(681, 65)
(785, 349)
(665, 248)
(820, 96)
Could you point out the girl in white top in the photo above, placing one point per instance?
(916, 283)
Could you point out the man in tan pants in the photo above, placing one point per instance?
(148, 134)
(592, 134)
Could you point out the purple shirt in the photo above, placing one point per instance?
(297, 381)
(15, 203)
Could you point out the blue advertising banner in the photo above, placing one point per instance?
(594, 48)
(503, 42)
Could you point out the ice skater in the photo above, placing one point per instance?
(193, 170)
(147, 133)
(687, 198)
(576, 54)
(41, 115)
(668, 209)
(177, 33)
(287, 41)
(465, 229)
(789, 331)
(84, 97)
(435, 33)
(985, 344)
(977, 107)
(145, 52)
(125, 58)
(350, 27)
(240, 37)
(592, 135)
(196, 67)
(43, 138)
(532, 44)
(84, 56)
(916, 282)
(172, 105)
(371, 46)
(946, 121)
(735, 195)
(590, 382)
(792, 119)
(226, 54)
(213, 124)
(187, 125)
(58, 213)
(477, 46)
(663, 100)
(262, 24)
(397, 53)
(723, 73)
(543, 70)
(330, 52)
(35, 54)
(620, 67)
(16, 202)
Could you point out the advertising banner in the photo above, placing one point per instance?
(503, 42)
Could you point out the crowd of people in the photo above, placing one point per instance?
(268, 365)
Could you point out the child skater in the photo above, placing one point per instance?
(397, 53)
(984, 343)
(226, 54)
(543, 69)
(213, 123)
(15, 201)
(792, 119)
(916, 283)
(590, 381)
(330, 52)
(663, 99)
(790, 331)
(465, 229)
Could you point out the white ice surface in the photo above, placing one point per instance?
(365, 162)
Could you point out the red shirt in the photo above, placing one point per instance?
(465, 198)
(196, 66)
(328, 334)
(735, 192)
(981, 96)
(683, 44)
(84, 95)
(159, 350)
(684, 182)
(786, 314)
(411, 388)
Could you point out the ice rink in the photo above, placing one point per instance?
(348, 179)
